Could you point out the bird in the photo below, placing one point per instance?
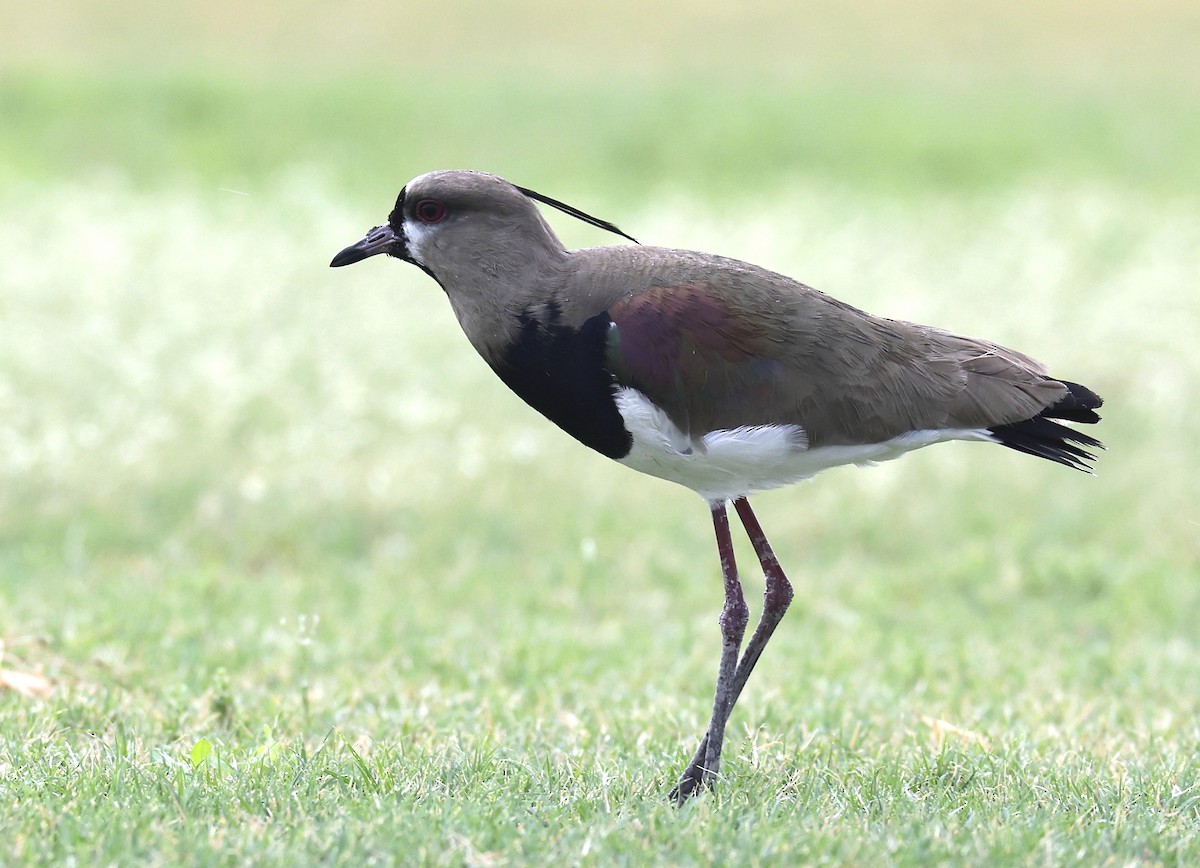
(710, 372)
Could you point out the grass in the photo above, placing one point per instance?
(625, 102)
(643, 138)
(310, 586)
(301, 603)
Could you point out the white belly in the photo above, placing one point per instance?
(734, 462)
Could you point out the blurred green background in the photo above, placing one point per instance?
(250, 503)
(626, 97)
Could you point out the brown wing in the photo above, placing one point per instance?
(752, 352)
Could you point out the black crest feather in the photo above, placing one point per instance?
(576, 213)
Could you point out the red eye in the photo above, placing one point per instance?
(429, 211)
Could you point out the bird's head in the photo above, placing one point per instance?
(462, 227)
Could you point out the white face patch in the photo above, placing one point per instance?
(733, 462)
(415, 236)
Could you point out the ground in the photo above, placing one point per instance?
(305, 583)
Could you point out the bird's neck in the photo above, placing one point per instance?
(504, 296)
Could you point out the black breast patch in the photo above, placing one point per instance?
(560, 372)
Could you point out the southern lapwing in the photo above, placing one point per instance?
(710, 372)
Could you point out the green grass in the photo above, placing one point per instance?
(311, 586)
(621, 140)
(621, 101)
(282, 514)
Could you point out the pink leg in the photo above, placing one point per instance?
(778, 596)
(734, 616)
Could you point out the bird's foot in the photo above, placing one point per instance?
(693, 782)
(698, 777)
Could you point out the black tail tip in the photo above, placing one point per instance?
(1046, 438)
(1078, 405)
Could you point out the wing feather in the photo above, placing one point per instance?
(719, 355)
